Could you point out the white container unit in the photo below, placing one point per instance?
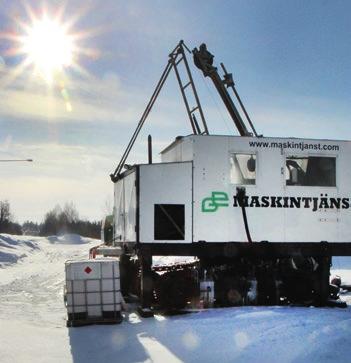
(298, 190)
(92, 291)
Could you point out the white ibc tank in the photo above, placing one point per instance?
(93, 289)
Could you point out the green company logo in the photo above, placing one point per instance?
(216, 200)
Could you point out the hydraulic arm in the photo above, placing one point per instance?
(203, 60)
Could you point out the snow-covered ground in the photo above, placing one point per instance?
(32, 320)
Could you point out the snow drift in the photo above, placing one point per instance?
(15, 248)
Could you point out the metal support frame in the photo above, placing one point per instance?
(265, 250)
(230, 251)
(175, 58)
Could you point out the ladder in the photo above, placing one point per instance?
(176, 57)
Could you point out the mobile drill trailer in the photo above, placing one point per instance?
(263, 216)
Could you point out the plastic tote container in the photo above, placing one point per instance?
(92, 291)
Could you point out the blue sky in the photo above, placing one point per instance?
(290, 60)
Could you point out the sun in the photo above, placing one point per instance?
(48, 46)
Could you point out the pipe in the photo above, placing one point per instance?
(241, 194)
(149, 149)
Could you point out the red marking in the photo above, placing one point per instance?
(88, 270)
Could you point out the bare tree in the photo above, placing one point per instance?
(107, 208)
(70, 212)
(6, 223)
(5, 214)
(66, 220)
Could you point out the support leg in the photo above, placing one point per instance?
(146, 292)
(124, 263)
(322, 283)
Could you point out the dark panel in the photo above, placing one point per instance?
(169, 221)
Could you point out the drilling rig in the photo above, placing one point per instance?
(259, 217)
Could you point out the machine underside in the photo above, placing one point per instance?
(230, 274)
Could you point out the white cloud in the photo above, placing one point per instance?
(99, 101)
(91, 99)
(59, 173)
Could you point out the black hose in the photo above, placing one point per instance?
(240, 195)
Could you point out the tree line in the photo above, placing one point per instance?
(59, 220)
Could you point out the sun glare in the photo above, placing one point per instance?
(47, 44)
(48, 47)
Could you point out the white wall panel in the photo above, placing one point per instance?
(167, 183)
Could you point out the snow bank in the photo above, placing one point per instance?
(14, 248)
(69, 239)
